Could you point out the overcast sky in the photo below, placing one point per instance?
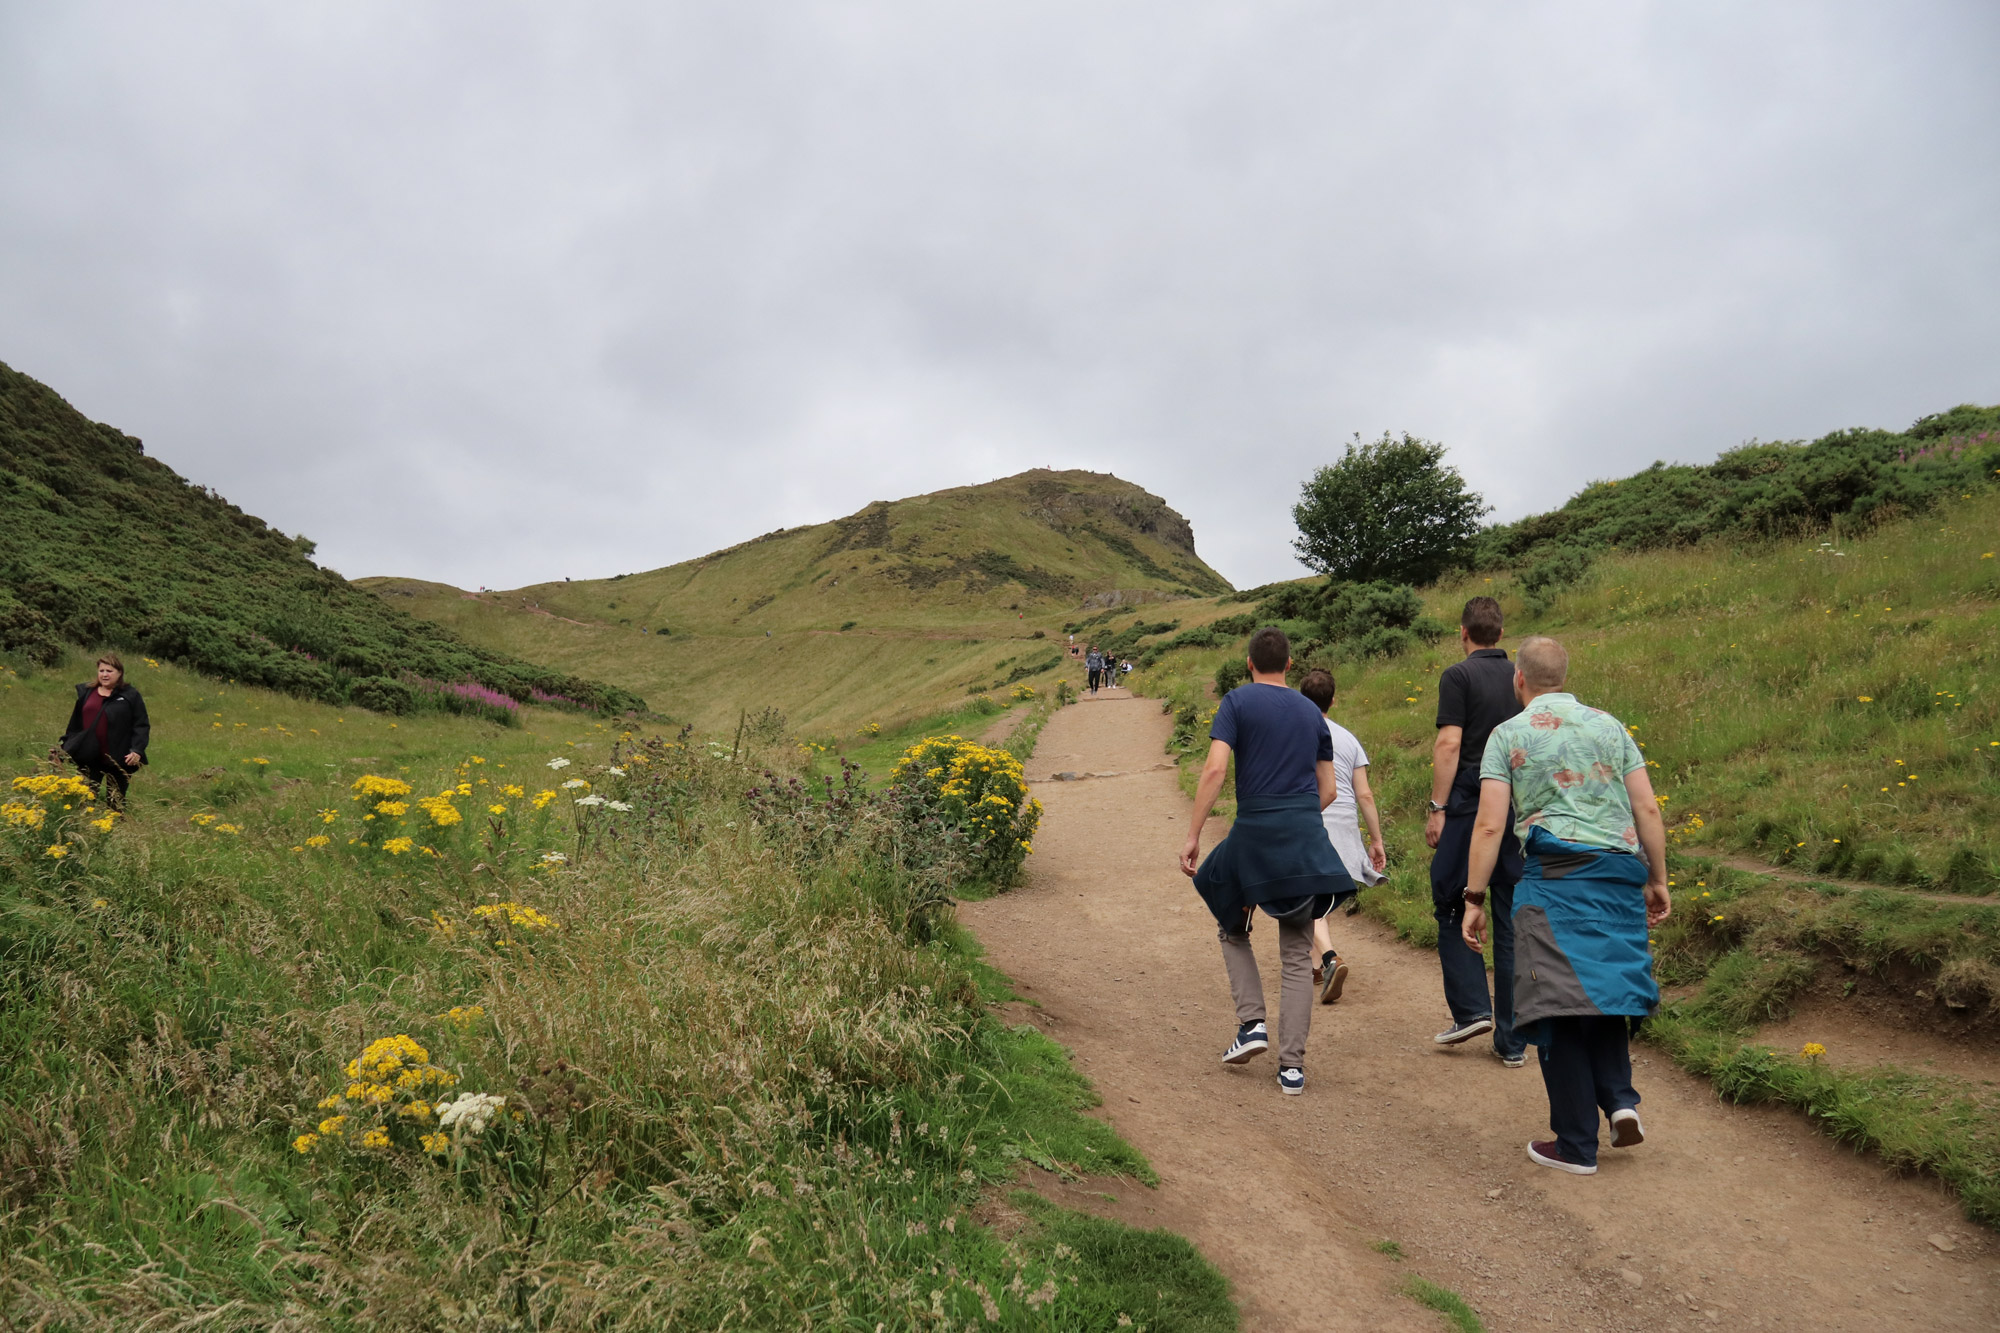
(492, 293)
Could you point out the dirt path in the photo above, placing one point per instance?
(1752, 866)
(1730, 1217)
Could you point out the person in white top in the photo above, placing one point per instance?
(1355, 803)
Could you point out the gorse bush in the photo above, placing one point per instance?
(978, 791)
(102, 546)
(1760, 491)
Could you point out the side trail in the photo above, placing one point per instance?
(1726, 1217)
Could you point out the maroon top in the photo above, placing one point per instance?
(94, 719)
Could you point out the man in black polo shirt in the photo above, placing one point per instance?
(1474, 696)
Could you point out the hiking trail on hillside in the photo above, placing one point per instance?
(1733, 1217)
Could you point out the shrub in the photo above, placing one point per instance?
(980, 791)
(1389, 509)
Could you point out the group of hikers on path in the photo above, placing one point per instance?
(1544, 829)
(1102, 671)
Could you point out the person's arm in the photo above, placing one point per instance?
(1444, 767)
(142, 731)
(1205, 792)
(1653, 841)
(1487, 826)
(1364, 800)
(1329, 782)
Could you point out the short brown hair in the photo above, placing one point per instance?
(1318, 687)
(1270, 650)
(1542, 662)
(1481, 621)
(111, 660)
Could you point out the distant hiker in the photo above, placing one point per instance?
(1125, 671)
(107, 732)
(1474, 696)
(1594, 884)
(1276, 856)
(1093, 666)
(1355, 801)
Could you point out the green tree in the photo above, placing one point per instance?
(1389, 509)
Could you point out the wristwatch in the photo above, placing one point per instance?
(1436, 809)
(1476, 897)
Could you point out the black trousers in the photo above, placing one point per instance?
(1587, 1068)
(109, 780)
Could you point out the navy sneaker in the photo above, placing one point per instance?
(1291, 1082)
(1626, 1131)
(1251, 1039)
(1459, 1032)
(1511, 1061)
(1550, 1153)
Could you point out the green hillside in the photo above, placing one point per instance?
(896, 611)
(102, 546)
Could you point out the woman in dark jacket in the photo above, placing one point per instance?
(108, 730)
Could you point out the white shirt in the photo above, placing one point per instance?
(1343, 817)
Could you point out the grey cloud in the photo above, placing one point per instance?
(492, 294)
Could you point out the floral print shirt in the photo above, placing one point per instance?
(1567, 765)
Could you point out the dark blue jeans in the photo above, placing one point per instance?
(1587, 1068)
(1465, 971)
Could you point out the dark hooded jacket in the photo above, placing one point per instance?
(127, 728)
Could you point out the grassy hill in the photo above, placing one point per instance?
(104, 547)
(897, 611)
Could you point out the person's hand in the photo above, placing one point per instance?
(1659, 903)
(1473, 931)
(1433, 829)
(1191, 854)
(132, 759)
(1378, 857)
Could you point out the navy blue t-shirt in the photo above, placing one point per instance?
(1278, 735)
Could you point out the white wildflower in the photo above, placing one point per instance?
(615, 771)
(470, 1112)
(574, 783)
(592, 799)
(620, 806)
(554, 859)
(559, 762)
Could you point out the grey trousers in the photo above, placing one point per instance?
(1246, 984)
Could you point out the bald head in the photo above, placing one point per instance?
(1543, 663)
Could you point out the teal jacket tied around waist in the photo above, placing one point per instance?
(1277, 851)
(1580, 939)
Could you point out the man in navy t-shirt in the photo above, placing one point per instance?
(1276, 856)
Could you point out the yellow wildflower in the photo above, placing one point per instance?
(1812, 1050)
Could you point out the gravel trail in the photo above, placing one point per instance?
(1726, 1217)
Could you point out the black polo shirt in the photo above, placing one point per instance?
(1476, 695)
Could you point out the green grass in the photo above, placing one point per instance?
(761, 1083)
(1446, 1302)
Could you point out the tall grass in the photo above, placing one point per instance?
(749, 1079)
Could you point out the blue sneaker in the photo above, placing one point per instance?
(1291, 1082)
(1251, 1039)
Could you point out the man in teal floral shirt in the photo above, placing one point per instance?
(1593, 885)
